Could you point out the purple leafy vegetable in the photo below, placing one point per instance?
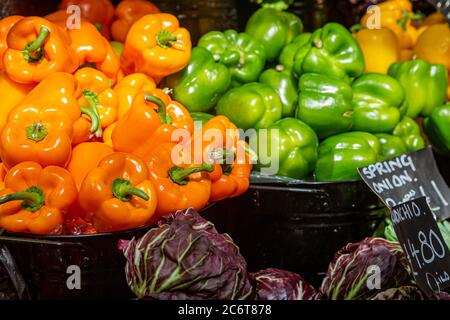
(276, 284)
(402, 293)
(186, 258)
(348, 274)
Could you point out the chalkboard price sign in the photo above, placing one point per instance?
(409, 176)
(423, 244)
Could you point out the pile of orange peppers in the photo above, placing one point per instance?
(86, 136)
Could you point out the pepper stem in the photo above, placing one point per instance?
(181, 175)
(356, 28)
(162, 110)
(123, 190)
(32, 198)
(92, 112)
(402, 22)
(33, 52)
(165, 38)
(36, 132)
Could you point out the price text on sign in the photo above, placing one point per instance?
(407, 177)
(422, 242)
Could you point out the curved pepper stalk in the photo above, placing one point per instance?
(92, 112)
(34, 51)
(181, 175)
(32, 198)
(123, 190)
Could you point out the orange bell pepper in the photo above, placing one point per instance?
(433, 44)
(232, 163)
(151, 120)
(107, 135)
(5, 25)
(118, 194)
(99, 105)
(34, 133)
(379, 46)
(13, 94)
(178, 186)
(85, 157)
(94, 50)
(2, 176)
(397, 16)
(128, 12)
(98, 12)
(127, 88)
(36, 49)
(432, 19)
(59, 90)
(156, 46)
(36, 199)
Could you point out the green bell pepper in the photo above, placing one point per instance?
(201, 84)
(325, 104)
(378, 103)
(409, 131)
(295, 148)
(290, 56)
(437, 128)
(331, 50)
(425, 85)
(243, 55)
(285, 85)
(274, 29)
(276, 4)
(200, 118)
(341, 155)
(391, 146)
(254, 105)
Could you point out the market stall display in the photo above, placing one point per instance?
(120, 124)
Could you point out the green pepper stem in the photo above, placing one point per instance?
(165, 38)
(249, 150)
(162, 110)
(356, 28)
(123, 190)
(99, 27)
(402, 22)
(181, 175)
(92, 112)
(36, 132)
(32, 198)
(36, 47)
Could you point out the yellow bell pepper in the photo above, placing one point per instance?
(433, 44)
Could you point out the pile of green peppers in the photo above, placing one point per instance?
(330, 117)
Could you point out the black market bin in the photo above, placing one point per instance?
(47, 264)
(297, 225)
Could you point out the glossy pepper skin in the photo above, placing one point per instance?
(293, 53)
(94, 50)
(391, 146)
(178, 186)
(117, 194)
(274, 29)
(425, 85)
(409, 131)
(254, 105)
(379, 47)
(59, 90)
(5, 25)
(379, 102)
(128, 12)
(34, 133)
(243, 55)
(295, 145)
(437, 128)
(36, 49)
(86, 157)
(127, 88)
(151, 120)
(340, 156)
(36, 199)
(433, 44)
(202, 83)
(397, 16)
(200, 118)
(331, 51)
(284, 83)
(98, 102)
(157, 46)
(98, 12)
(325, 104)
(13, 94)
